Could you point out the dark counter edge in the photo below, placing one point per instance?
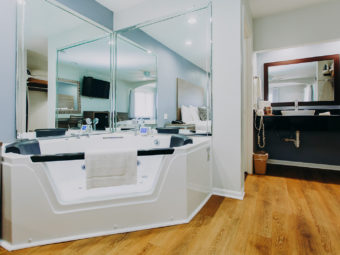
(81, 155)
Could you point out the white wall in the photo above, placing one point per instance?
(308, 25)
(227, 177)
(247, 90)
(226, 81)
(37, 110)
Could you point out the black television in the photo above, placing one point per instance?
(95, 88)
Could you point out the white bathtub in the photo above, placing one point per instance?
(48, 202)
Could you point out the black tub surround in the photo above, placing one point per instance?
(32, 147)
(319, 138)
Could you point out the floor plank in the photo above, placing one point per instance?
(288, 211)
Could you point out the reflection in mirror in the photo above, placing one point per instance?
(43, 30)
(83, 84)
(136, 89)
(307, 80)
(304, 82)
(163, 73)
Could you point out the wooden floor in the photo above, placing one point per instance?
(289, 212)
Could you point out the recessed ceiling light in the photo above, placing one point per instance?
(192, 20)
(188, 42)
(149, 51)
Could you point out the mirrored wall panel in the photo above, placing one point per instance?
(56, 50)
(162, 74)
(136, 85)
(84, 84)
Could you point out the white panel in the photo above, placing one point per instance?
(227, 94)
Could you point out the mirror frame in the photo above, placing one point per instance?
(305, 60)
(77, 83)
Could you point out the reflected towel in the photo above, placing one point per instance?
(110, 168)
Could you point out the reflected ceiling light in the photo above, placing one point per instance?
(192, 20)
(23, 2)
(149, 51)
(188, 42)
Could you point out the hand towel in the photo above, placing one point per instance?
(110, 168)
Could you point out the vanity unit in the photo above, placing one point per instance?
(299, 90)
(318, 143)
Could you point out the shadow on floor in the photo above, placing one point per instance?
(309, 174)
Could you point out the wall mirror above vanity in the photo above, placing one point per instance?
(310, 81)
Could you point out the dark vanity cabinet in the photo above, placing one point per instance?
(319, 138)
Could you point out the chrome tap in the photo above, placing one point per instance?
(139, 123)
(95, 122)
(296, 141)
(156, 141)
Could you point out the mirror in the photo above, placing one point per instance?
(162, 73)
(68, 96)
(136, 79)
(84, 84)
(309, 81)
(56, 49)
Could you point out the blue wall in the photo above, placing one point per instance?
(92, 10)
(170, 66)
(7, 69)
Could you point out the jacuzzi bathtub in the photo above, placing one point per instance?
(47, 202)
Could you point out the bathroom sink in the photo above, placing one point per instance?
(298, 113)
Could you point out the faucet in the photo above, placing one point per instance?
(296, 141)
(95, 122)
(296, 105)
(140, 122)
(156, 141)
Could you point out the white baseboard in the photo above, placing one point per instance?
(228, 193)
(303, 164)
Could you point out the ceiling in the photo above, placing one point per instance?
(262, 8)
(119, 5)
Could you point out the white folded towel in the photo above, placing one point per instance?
(110, 168)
